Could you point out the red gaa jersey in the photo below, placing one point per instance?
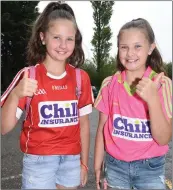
(52, 125)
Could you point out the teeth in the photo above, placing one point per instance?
(131, 61)
(60, 52)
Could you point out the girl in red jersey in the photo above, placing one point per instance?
(55, 133)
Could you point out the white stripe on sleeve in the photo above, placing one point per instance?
(18, 113)
(85, 110)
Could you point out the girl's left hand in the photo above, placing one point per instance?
(83, 176)
(148, 89)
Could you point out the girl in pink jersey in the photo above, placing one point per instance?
(135, 114)
(55, 133)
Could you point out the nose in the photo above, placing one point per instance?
(130, 52)
(63, 44)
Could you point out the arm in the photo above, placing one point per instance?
(9, 111)
(99, 148)
(161, 128)
(85, 140)
(25, 87)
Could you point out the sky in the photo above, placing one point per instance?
(158, 14)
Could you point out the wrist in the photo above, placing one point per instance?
(14, 95)
(84, 166)
(154, 100)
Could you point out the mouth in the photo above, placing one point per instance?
(132, 60)
(61, 52)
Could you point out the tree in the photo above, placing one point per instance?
(107, 70)
(168, 69)
(17, 17)
(102, 32)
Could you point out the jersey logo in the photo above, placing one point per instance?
(63, 87)
(58, 113)
(40, 91)
(131, 128)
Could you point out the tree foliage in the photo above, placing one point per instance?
(102, 32)
(107, 70)
(16, 18)
(168, 69)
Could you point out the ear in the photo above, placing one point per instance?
(152, 47)
(42, 38)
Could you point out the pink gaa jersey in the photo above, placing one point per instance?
(127, 131)
(52, 125)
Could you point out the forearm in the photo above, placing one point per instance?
(8, 114)
(85, 139)
(99, 150)
(160, 128)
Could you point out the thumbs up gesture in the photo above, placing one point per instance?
(26, 86)
(148, 89)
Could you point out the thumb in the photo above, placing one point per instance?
(26, 73)
(158, 78)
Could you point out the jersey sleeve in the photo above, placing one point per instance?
(86, 98)
(22, 101)
(165, 93)
(102, 103)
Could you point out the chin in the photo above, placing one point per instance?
(61, 58)
(135, 68)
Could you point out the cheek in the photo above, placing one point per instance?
(53, 43)
(143, 54)
(122, 55)
(71, 46)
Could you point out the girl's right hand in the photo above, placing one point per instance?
(26, 86)
(100, 183)
(98, 180)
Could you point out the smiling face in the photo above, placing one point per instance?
(134, 49)
(59, 40)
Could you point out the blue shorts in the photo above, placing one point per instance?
(44, 172)
(140, 174)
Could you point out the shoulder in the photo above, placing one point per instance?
(84, 74)
(165, 81)
(166, 85)
(36, 67)
(108, 79)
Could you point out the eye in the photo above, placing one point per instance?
(56, 37)
(123, 47)
(70, 39)
(137, 46)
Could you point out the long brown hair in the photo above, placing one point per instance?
(36, 52)
(154, 60)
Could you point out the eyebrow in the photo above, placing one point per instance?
(60, 35)
(63, 36)
(133, 43)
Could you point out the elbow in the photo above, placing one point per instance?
(163, 139)
(3, 130)
(164, 142)
(7, 126)
(3, 133)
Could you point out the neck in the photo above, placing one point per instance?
(56, 68)
(133, 77)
